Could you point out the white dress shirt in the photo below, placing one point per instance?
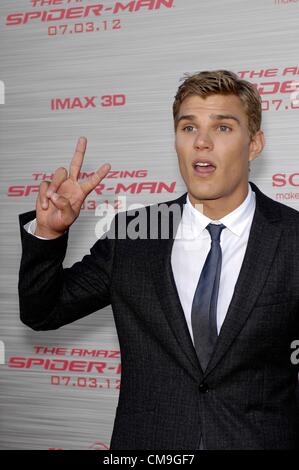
(30, 227)
(191, 247)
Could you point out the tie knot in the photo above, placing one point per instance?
(215, 231)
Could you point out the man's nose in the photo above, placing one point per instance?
(203, 141)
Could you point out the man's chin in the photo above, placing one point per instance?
(201, 196)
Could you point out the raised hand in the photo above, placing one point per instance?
(59, 202)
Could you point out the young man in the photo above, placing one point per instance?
(205, 321)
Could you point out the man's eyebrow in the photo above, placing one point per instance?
(188, 117)
(219, 117)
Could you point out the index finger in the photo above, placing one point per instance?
(77, 159)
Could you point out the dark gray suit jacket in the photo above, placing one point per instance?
(246, 399)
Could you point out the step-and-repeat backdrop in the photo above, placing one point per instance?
(109, 70)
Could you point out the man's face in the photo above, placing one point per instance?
(214, 131)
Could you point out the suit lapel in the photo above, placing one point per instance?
(160, 259)
(262, 244)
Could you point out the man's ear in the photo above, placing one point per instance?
(256, 145)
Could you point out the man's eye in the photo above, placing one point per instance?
(224, 128)
(188, 128)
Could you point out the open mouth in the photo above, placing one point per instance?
(204, 168)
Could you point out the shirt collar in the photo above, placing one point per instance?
(236, 221)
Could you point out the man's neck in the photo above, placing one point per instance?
(215, 209)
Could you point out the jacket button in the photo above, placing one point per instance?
(203, 387)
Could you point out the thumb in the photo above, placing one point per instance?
(63, 205)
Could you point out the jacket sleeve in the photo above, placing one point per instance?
(51, 296)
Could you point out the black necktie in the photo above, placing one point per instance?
(204, 306)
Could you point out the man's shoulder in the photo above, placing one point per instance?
(146, 209)
(287, 213)
(152, 221)
(275, 209)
